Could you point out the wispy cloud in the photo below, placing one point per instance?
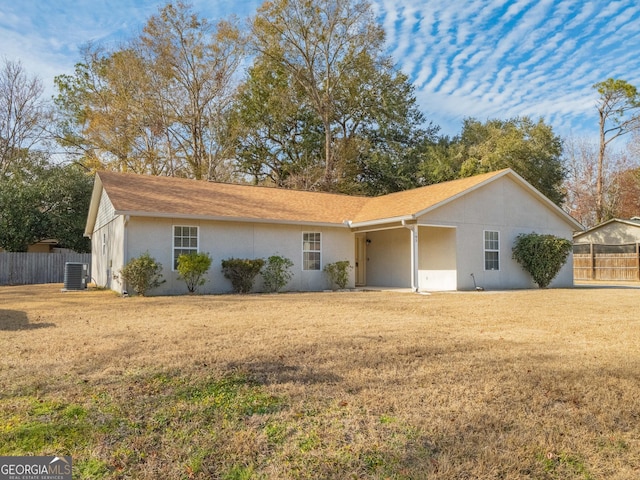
(480, 58)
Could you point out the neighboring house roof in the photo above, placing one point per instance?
(633, 222)
(152, 196)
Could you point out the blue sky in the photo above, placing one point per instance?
(478, 58)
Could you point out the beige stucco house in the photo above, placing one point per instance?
(616, 231)
(427, 239)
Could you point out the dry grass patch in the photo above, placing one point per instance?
(529, 384)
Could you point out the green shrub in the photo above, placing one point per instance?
(338, 273)
(242, 272)
(542, 256)
(142, 274)
(277, 273)
(192, 268)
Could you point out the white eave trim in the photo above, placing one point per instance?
(382, 221)
(219, 218)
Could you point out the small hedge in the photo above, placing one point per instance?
(142, 274)
(192, 267)
(277, 273)
(338, 273)
(242, 272)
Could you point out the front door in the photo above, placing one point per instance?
(361, 259)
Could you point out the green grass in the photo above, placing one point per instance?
(195, 415)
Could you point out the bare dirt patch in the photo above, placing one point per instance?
(523, 384)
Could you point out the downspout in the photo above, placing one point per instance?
(125, 247)
(413, 228)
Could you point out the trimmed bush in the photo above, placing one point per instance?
(192, 268)
(277, 273)
(142, 274)
(242, 272)
(338, 273)
(542, 256)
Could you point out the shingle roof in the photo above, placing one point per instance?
(152, 196)
(170, 196)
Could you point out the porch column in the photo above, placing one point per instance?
(413, 228)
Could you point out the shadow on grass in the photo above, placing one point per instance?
(15, 320)
(274, 372)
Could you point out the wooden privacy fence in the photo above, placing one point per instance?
(606, 262)
(30, 268)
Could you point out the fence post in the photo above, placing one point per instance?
(638, 259)
(593, 261)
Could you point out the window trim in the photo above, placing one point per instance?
(319, 251)
(486, 250)
(174, 260)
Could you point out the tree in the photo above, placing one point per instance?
(542, 256)
(67, 193)
(44, 202)
(23, 115)
(324, 106)
(279, 137)
(159, 104)
(530, 148)
(318, 43)
(23, 213)
(580, 160)
(619, 113)
(194, 64)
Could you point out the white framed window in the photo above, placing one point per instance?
(311, 251)
(491, 250)
(185, 241)
(104, 243)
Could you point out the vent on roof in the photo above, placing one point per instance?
(75, 276)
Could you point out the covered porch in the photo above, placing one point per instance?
(406, 255)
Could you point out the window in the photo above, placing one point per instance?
(491, 250)
(311, 251)
(104, 244)
(185, 240)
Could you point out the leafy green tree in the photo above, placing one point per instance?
(530, 148)
(23, 213)
(43, 201)
(542, 256)
(192, 268)
(142, 274)
(619, 113)
(279, 138)
(325, 106)
(277, 273)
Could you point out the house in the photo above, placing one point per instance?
(612, 232)
(609, 251)
(430, 238)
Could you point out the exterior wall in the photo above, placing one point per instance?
(107, 254)
(503, 206)
(613, 233)
(437, 269)
(389, 258)
(223, 240)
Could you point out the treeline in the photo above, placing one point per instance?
(301, 96)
